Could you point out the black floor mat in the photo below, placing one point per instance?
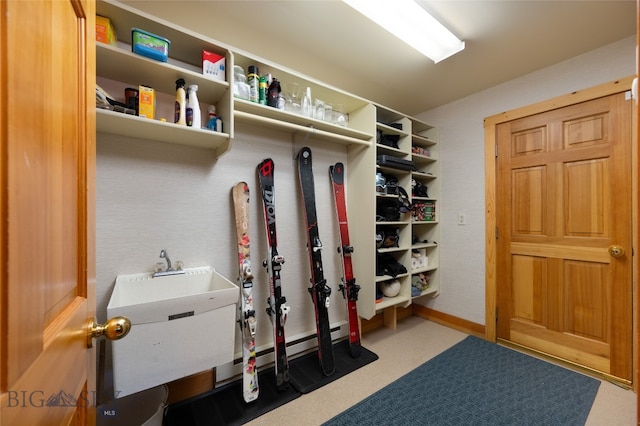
(225, 406)
(305, 374)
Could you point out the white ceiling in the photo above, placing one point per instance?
(331, 42)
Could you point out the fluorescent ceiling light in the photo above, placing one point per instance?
(408, 21)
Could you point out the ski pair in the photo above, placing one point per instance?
(319, 289)
(276, 303)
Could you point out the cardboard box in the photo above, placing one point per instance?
(213, 65)
(146, 102)
(105, 32)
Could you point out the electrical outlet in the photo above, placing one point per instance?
(462, 220)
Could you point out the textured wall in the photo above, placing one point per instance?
(461, 134)
(153, 196)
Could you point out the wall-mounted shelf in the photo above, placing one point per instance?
(418, 158)
(390, 302)
(390, 130)
(425, 269)
(419, 140)
(252, 112)
(423, 175)
(388, 150)
(118, 123)
(429, 291)
(119, 64)
(123, 68)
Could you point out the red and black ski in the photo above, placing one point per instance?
(319, 289)
(276, 303)
(348, 287)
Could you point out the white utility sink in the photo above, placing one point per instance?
(180, 325)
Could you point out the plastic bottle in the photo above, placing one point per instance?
(306, 106)
(194, 118)
(181, 97)
(211, 124)
(273, 93)
(262, 91)
(253, 79)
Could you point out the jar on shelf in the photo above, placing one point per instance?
(240, 86)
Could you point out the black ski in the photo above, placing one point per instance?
(276, 303)
(319, 289)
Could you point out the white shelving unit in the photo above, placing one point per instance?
(123, 68)
(119, 64)
(426, 234)
(416, 141)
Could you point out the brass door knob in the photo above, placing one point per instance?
(616, 251)
(114, 329)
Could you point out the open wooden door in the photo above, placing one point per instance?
(47, 220)
(636, 263)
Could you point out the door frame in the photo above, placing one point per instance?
(490, 125)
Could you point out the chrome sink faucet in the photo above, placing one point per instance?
(164, 255)
(169, 271)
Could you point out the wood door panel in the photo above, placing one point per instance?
(529, 189)
(587, 298)
(529, 142)
(586, 195)
(586, 131)
(584, 294)
(529, 281)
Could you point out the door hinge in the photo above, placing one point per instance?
(496, 150)
(496, 314)
(496, 232)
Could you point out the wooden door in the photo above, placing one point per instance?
(47, 174)
(563, 200)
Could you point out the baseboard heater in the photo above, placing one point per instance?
(299, 345)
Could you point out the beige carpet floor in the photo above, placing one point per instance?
(414, 342)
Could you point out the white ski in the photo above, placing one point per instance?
(247, 318)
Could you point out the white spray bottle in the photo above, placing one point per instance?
(194, 118)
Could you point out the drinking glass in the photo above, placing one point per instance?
(292, 97)
(328, 112)
(340, 117)
(318, 109)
